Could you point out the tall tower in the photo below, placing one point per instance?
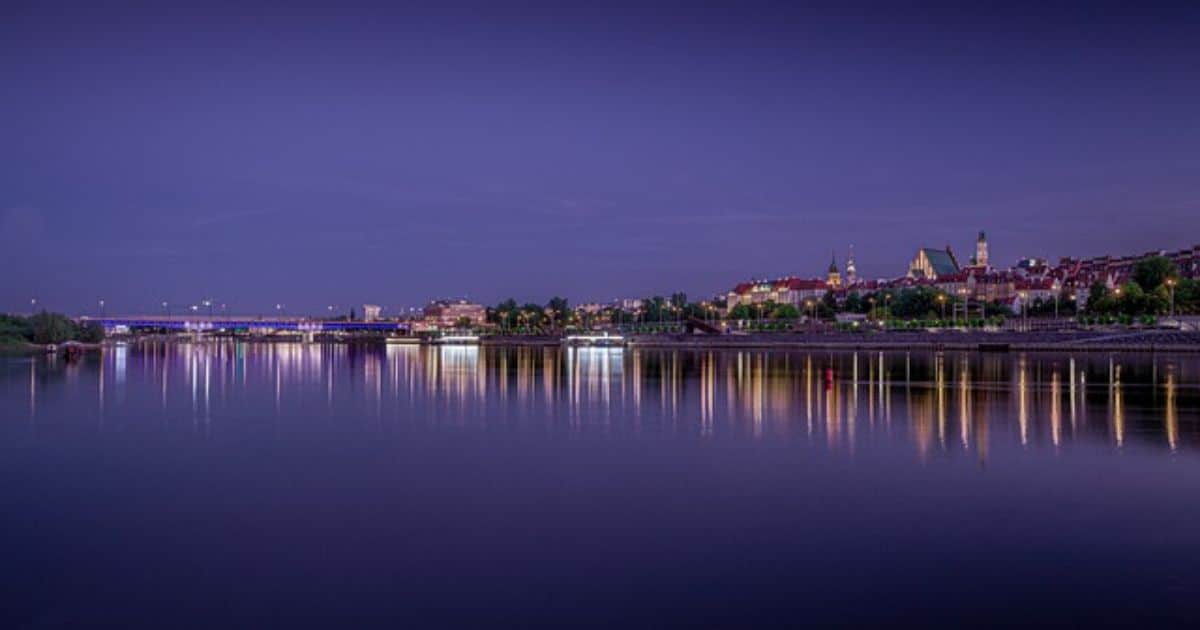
(835, 279)
(851, 270)
(981, 250)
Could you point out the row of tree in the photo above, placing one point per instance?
(1154, 288)
(45, 328)
(1149, 292)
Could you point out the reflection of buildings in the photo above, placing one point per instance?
(853, 402)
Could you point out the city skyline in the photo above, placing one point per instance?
(396, 155)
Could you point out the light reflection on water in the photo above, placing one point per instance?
(952, 402)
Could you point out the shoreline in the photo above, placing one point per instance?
(1072, 341)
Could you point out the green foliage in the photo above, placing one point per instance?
(52, 328)
(854, 303)
(558, 311)
(15, 329)
(46, 327)
(785, 311)
(90, 333)
(1151, 272)
(1097, 297)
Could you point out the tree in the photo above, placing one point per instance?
(1098, 298)
(1187, 296)
(560, 310)
(531, 315)
(15, 329)
(785, 311)
(742, 311)
(854, 303)
(90, 333)
(51, 328)
(1149, 273)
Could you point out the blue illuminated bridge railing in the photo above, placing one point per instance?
(244, 323)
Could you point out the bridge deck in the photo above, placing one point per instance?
(202, 323)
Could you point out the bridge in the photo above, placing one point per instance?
(218, 323)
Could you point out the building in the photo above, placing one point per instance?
(851, 269)
(794, 291)
(590, 308)
(834, 278)
(631, 305)
(930, 263)
(981, 251)
(452, 313)
(371, 312)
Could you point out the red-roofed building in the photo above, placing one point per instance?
(792, 291)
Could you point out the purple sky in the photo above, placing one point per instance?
(391, 155)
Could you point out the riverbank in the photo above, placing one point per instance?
(1075, 341)
(25, 348)
(1137, 340)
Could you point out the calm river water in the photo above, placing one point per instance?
(238, 484)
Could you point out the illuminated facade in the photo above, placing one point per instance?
(792, 291)
(448, 314)
(931, 263)
(834, 278)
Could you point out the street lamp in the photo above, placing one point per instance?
(942, 302)
(101, 307)
(1171, 289)
(164, 307)
(208, 304)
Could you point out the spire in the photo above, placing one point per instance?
(833, 261)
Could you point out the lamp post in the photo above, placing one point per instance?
(101, 307)
(942, 302)
(208, 303)
(1171, 290)
(164, 308)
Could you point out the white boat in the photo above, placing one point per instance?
(604, 340)
(457, 340)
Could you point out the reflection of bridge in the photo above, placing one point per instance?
(202, 323)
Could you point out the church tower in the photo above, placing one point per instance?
(981, 250)
(851, 270)
(835, 278)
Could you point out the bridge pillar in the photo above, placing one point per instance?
(308, 336)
